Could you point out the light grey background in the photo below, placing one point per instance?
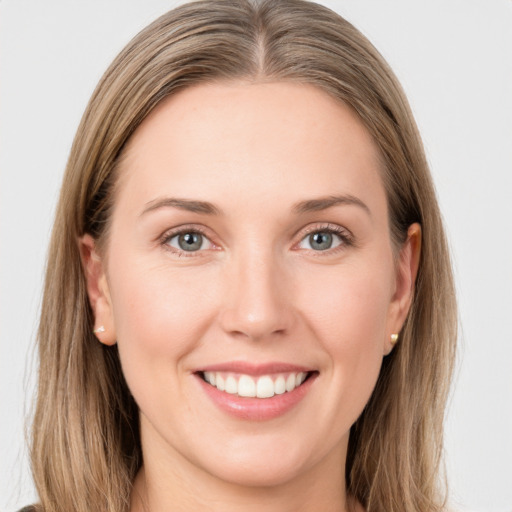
(454, 58)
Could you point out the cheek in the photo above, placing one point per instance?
(159, 315)
(349, 318)
(351, 307)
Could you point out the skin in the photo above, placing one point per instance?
(258, 291)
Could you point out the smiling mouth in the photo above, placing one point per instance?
(247, 386)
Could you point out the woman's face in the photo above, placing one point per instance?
(250, 246)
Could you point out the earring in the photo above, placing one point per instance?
(101, 328)
(394, 338)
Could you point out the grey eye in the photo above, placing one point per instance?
(189, 242)
(321, 241)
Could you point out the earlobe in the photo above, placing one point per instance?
(97, 290)
(406, 272)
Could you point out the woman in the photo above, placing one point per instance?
(249, 300)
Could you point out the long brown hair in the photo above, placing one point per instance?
(86, 447)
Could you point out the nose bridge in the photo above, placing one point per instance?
(257, 303)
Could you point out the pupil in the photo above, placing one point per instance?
(320, 241)
(190, 241)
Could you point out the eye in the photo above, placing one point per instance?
(189, 241)
(322, 240)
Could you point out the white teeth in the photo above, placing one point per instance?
(231, 385)
(290, 382)
(265, 386)
(300, 378)
(279, 385)
(246, 386)
(219, 382)
(210, 377)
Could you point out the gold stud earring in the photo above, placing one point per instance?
(101, 328)
(394, 338)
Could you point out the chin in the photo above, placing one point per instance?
(260, 464)
(272, 474)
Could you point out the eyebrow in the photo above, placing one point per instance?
(207, 208)
(323, 203)
(183, 204)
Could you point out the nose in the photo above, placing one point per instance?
(258, 299)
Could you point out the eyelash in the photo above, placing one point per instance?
(169, 235)
(347, 239)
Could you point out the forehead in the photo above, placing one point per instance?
(250, 141)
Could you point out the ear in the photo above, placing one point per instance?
(97, 290)
(406, 272)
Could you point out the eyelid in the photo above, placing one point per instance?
(346, 236)
(164, 238)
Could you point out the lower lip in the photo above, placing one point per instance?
(257, 409)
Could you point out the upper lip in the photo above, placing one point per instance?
(254, 369)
